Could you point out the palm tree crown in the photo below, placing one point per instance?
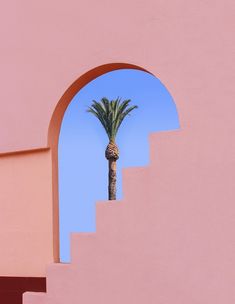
(111, 114)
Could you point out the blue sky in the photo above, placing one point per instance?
(83, 169)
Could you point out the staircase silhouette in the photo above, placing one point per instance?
(125, 260)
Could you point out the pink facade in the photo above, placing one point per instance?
(171, 239)
(26, 213)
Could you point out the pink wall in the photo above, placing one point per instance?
(170, 240)
(47, 45)
(26, 233)
(188, 195)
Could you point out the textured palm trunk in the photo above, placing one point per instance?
(112, 155)
(112, 179)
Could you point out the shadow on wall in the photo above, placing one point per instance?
(82, 165)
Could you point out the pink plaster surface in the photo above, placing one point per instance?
(26, 235)
(47, 45)
(171, 239)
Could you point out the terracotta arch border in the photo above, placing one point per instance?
(54, 130)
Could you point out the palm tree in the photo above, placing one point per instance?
(111, 115)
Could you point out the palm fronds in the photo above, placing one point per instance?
(111, 114)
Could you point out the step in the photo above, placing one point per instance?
(166, 147)
(81, 243)
(57, 276)
(134, 183)
(107, 212)
(34, 298)
(107, 216)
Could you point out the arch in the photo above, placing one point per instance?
(54, 130)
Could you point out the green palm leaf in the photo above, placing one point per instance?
(111, 114)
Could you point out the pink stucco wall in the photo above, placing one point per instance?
(184, 244)
(46, 45)
(170, 240)
(26, 233)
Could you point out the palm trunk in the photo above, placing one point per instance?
(112, 179)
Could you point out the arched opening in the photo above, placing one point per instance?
(54, 130)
